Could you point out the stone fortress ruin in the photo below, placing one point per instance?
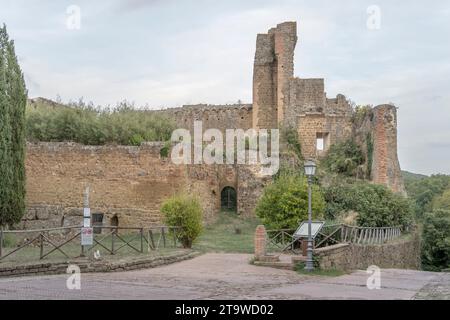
(128, 184)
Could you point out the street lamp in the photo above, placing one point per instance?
(310, 170)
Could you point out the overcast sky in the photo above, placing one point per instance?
(166, 53)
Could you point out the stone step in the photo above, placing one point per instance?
(297, 259)
(276, 264)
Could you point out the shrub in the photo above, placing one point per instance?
(436, 241)
(85, 124)
(344, 158)
(376, 205)
(284, 202)
(185, 212)
(164, 152)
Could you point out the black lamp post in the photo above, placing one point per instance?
(310, 170)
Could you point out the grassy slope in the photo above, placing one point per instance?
(221, 235)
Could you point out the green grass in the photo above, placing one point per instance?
(300, 268)
(221, 236)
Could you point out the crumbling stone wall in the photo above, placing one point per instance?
(220, 117)
(127, 182)
(385, 165)
(399, 254)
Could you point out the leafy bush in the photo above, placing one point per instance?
(344, 158)
(361, 113)
(284, 202)
(436, 241)
(376, 205)
(164, 152)
(185, 212)
(85, 124)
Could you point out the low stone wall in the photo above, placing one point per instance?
(49, 268)
(399, 254)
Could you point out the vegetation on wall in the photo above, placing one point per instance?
(13, 97)
(289, 136)
(284, 202)
(186, 212)
(369, 143)
(360, 113)
(375, 205)
(86, 124)
(344, 158)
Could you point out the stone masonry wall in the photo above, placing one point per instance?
(399, 254)
(385, 165)
(127, 182)
(222, 117)
(335, 128)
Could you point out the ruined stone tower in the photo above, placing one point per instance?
(280, 99)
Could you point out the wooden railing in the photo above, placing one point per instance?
(69, 239)
(363, 235)
(283, 240)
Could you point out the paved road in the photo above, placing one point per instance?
(227, 276)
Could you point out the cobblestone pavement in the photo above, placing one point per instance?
(227, 276)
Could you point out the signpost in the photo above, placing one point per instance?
(302, 233)
(87, 236)
(87, 233)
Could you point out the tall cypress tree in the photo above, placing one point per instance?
(13, 97)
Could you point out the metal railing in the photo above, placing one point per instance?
(67, 240)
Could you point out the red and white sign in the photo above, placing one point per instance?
(87, 236)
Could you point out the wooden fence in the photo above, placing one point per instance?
(113, 240)
(283, 240)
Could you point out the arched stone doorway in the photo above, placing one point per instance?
(228, 199)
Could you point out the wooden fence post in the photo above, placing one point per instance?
(41, 238)
(112, 241)
(1, 241)
(142, 240)
(163, 234)
(174, 237)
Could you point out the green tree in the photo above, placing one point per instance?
(376, 205)
(186, 212)
(13, 97)
(436, 241)
(442, 201)
(284, 202)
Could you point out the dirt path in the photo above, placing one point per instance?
(227, 276)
